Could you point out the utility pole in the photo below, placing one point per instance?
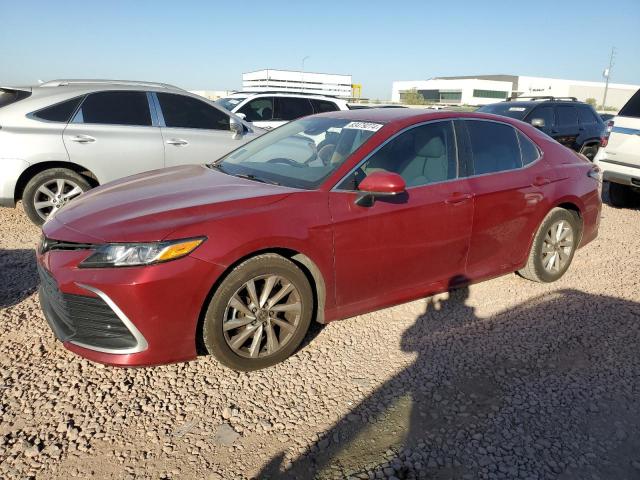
(302, 81)
(606, 74)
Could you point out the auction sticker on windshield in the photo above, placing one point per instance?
(372, 127)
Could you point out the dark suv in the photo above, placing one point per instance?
(572, 123)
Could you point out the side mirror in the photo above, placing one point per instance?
(243, 116)
(236, 127)
(538, 122)
(380, 184)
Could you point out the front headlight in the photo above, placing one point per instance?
(132, 254)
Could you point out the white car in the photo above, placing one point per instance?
(63, 137)
(619, 158)
(271, 109)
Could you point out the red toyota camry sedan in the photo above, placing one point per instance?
(324, 218)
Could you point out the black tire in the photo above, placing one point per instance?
(623, 196)
(534, 270)
(212, 328)
(30, 194)
(589, 151)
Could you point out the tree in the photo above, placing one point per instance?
(412, 97)
(591, 101)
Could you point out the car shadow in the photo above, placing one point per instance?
(541, 390)
(18, 276)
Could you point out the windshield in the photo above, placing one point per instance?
(506, 109)
(299, 154)
(229, 103)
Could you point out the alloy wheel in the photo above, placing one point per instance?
(53, 194)
(557, 246)
(262, 316)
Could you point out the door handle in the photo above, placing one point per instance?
(178, 142)
(458, 198)
(82, 139)
(540, 181)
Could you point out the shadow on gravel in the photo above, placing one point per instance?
(18, 276)
(547, 390)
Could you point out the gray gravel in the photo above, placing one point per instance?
(505, 380)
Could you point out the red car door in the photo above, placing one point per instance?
(510, 184)
(409, 245)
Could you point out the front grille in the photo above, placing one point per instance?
(81, 319)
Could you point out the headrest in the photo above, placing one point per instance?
(429, 146)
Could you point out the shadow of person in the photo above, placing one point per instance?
(18, 276)
(388, 418)
(544, 389)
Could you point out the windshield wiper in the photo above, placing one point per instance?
(250, 176)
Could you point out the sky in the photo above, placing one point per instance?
(207, 45)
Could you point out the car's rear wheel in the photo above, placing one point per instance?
(259, 314)
(49, 190)
(589, 151)
(553, 247)
(623, 196)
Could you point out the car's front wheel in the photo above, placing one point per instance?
(49, 190)
(259, 314)
(553, 246)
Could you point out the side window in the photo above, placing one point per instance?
(546, 114)
(258, 110)
(60, 112)
(320, 106)
(586, 116)
(421, 155)
(494, 147)
(115, 108)
(528, 151)
(291, 108)
(180, 111)
(567, 116)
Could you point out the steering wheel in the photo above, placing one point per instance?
(286, 161)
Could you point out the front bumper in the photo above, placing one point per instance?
(133, 316)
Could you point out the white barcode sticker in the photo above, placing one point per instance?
(372, 127)
(517, 109)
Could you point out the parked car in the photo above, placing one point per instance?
(619, 157)
(63, 137)
(606, 117)
(269, 110)
(574, 124)
(236, 258)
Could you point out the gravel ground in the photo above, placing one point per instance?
(508, 379)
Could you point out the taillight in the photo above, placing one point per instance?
(604, 141)
(595, 173)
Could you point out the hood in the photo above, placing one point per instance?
(149, 206)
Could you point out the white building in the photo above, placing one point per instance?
(484, 89)
(212, 94)
(298, 82)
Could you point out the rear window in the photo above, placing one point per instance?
(9, 96)
(632, 107)
(506, 109)
(60, 112)
(320, 106)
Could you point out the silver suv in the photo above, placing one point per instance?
(64, 137)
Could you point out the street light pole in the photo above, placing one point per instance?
(304, 59)
(606, 74)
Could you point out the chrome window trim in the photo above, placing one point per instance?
(141, 342)
(158, 109)
(152, 110)
(452, 119)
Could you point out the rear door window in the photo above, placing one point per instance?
(567, 116)
(291, 108)
(60, 112)
(180, 111)
(115, 108)
(494, 147)
(320, 106)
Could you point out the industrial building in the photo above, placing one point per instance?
(300, 82)
(485, 89)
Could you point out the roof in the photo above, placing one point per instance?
(386, 115)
